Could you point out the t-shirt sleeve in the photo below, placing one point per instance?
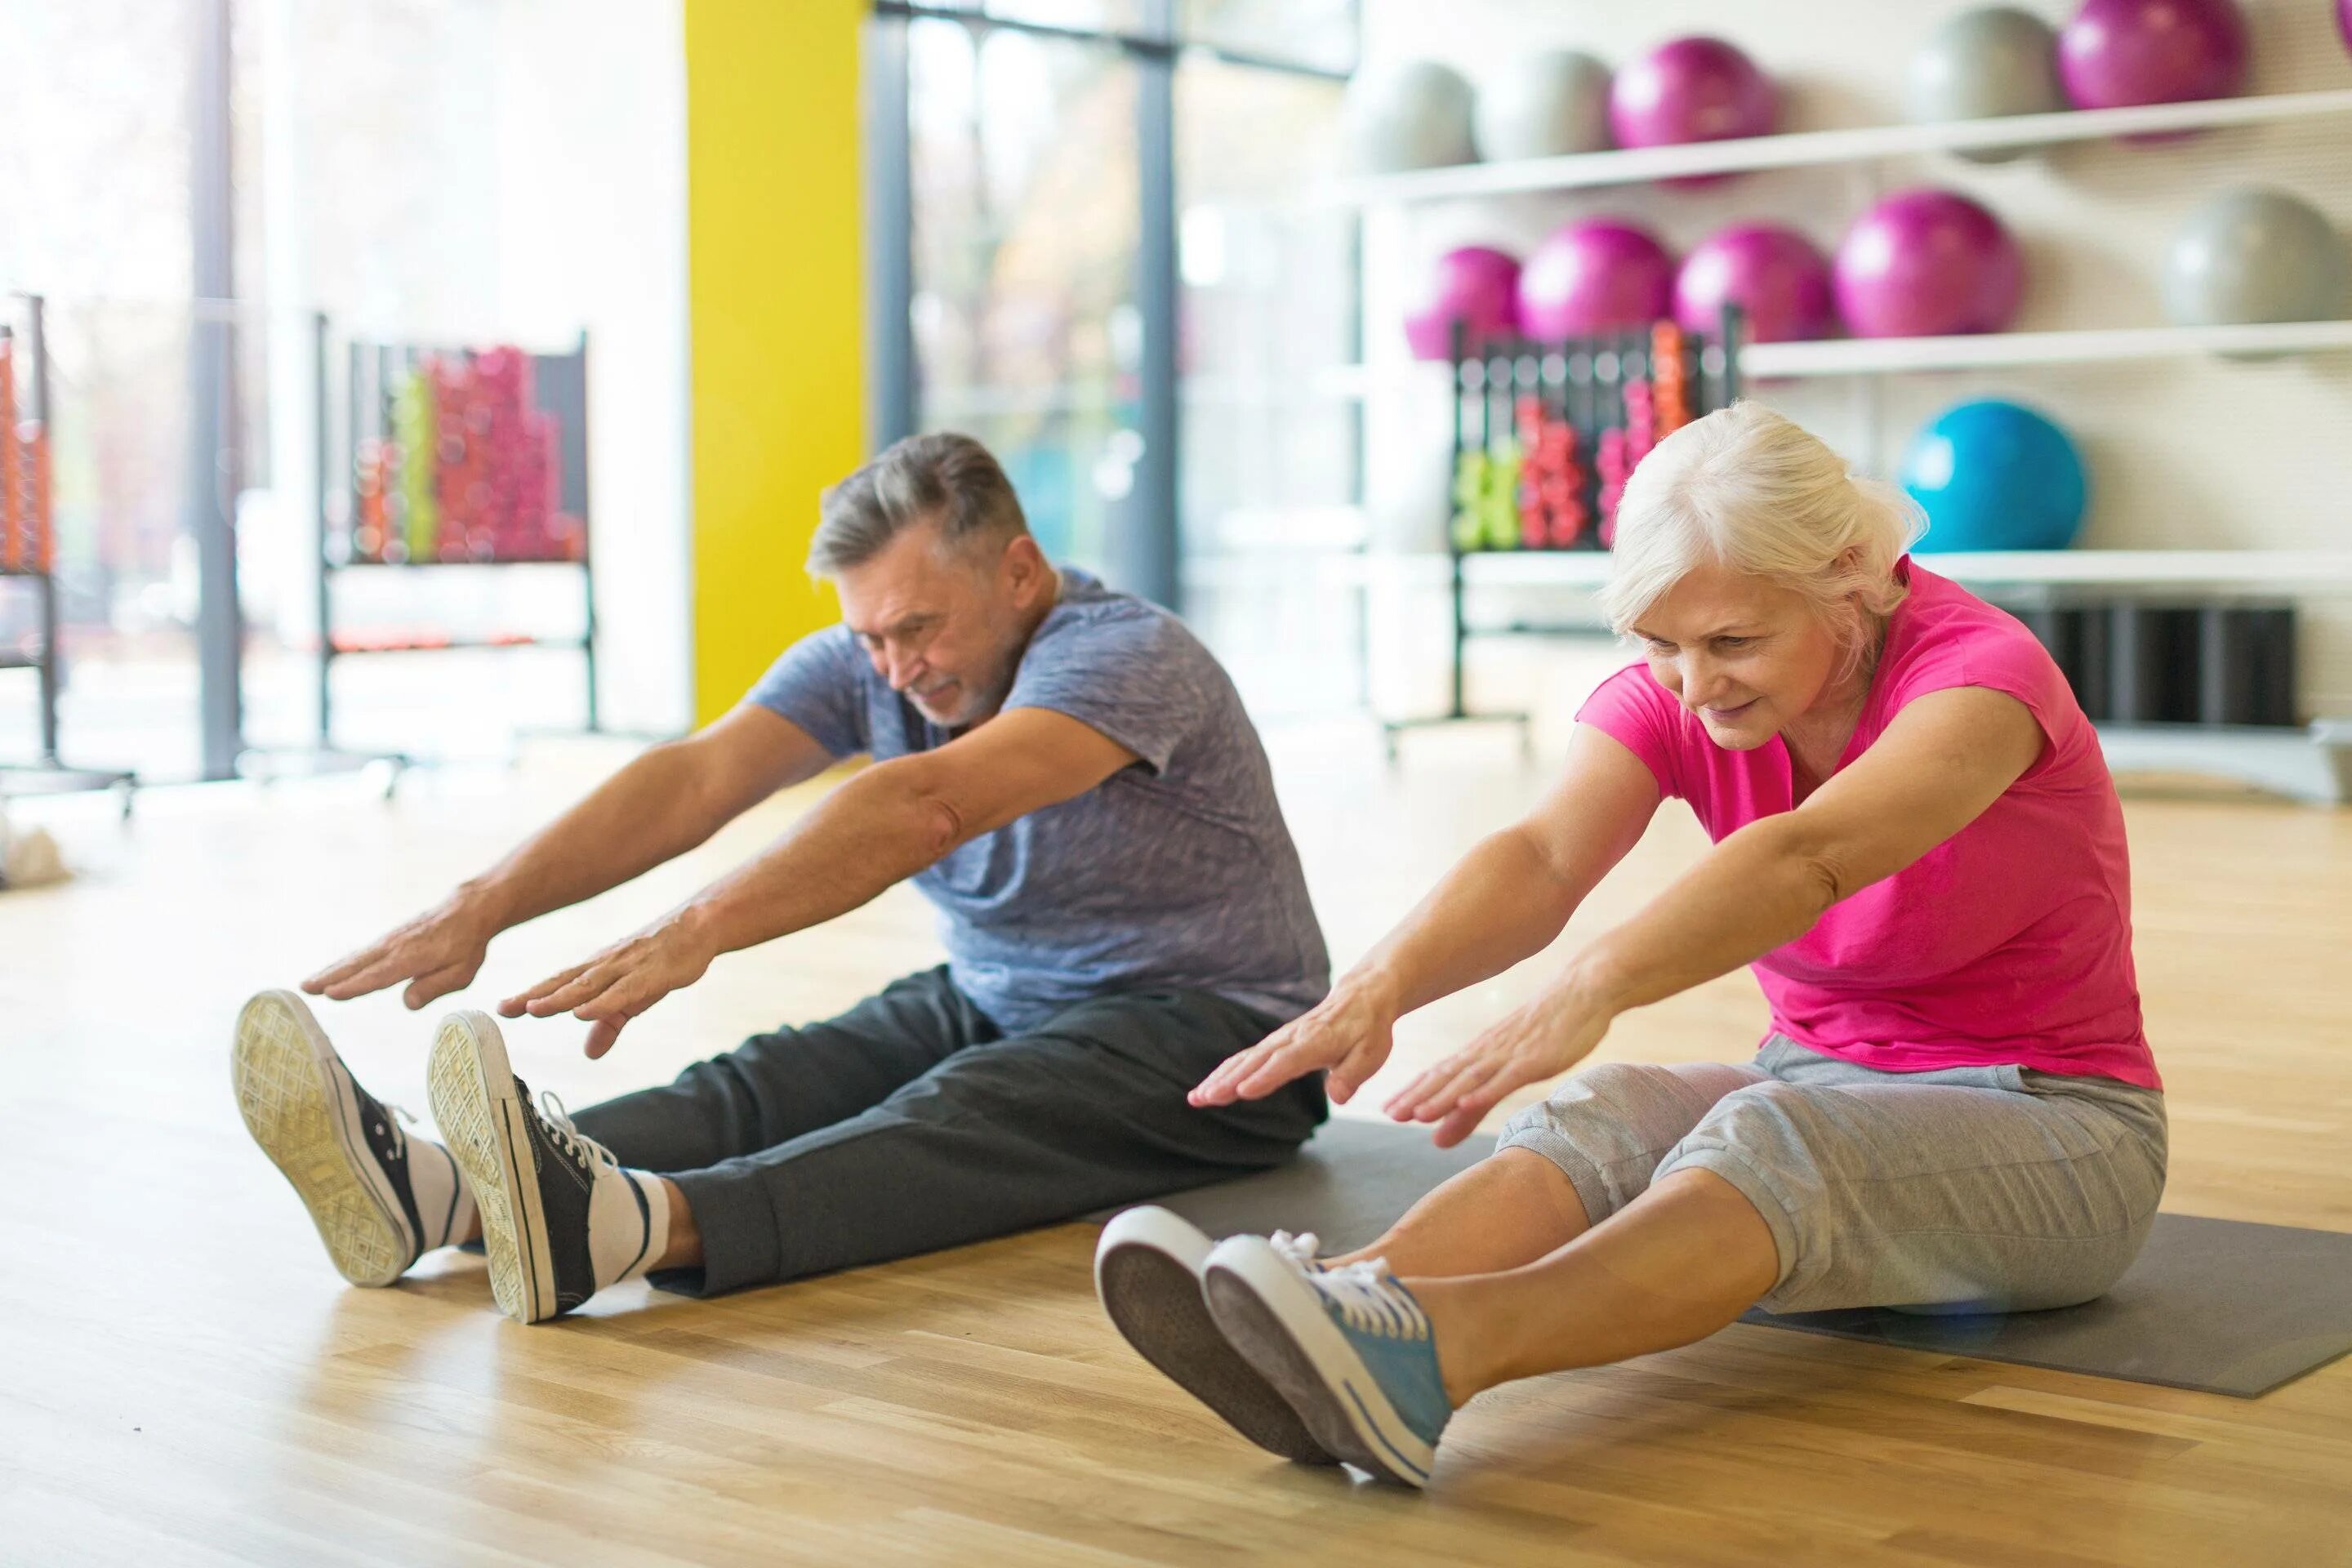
(1133, 677)
(1632, 709)
(817, 683)
(1999, 659)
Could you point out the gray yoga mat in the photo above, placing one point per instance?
(2215, 1305)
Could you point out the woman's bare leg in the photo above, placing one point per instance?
(1509, 1209)
(1678, 1263)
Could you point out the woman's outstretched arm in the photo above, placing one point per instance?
(1502, 903)
(1946, 758)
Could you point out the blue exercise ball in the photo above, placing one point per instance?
(1996, 476)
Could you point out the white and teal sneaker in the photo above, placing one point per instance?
(1349, 1347)
(1148, 1274)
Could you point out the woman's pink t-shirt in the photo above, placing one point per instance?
(2010, 941)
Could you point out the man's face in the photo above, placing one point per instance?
(946, 625)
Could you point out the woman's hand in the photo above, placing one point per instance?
(439, 952)
(1538, 1040)
(1347, 1034)
(619, 983)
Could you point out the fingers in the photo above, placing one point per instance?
(1469, 1072)
(1218, 1088)
(343, 969)
(1356, 1066)
(1295, 1060)
(530, 1001)
(1401, 1103)
(439, 982)
(1459, 1125)
(370, 969)
(602, 1033)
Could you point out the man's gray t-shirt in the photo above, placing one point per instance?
(1177, 871)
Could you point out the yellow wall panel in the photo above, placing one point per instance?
(775, 280)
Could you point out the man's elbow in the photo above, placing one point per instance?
(931, 822)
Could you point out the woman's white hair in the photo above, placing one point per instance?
(1759, 494)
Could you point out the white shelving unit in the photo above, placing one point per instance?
(1898, 356)
(2303, 570)
(1888, 356)
(2311, 571)
(1800, 148)
(2316, 764)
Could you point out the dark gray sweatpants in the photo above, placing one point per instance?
(912, 1123)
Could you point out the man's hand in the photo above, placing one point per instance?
(619, 983)
(1348, 1035)
(438, 952)
(1540, 1040)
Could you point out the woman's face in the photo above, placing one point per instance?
(1746, 655)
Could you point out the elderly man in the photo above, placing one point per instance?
(1063, 772)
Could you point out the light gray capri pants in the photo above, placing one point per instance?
(1974, 1189)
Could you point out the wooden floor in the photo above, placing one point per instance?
(184, 1379)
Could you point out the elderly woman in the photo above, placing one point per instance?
(1918, 849)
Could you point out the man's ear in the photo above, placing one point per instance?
(1025, 567)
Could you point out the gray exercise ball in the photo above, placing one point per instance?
(1415, 116)
(2255, 255)
(1982, 65)
(1543, 105)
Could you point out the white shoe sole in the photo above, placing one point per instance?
(1277, 1322)
(473, 1089)
(1148, 1276)
(294, 1095)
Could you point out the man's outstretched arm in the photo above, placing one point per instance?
(878, 828)
(668, 799)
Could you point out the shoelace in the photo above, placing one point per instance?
(583, 1150)
(1299, 1249)
(392, 1128)
(1370, 1301)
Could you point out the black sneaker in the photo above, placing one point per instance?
(380, 1198)
(560, 1218)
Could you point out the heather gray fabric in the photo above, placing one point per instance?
(1176, 873)
(1982, 1189)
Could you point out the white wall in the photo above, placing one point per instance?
(2183, 453)
(591, 223)
(492, 171)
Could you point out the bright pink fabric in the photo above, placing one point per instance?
(2010, 941)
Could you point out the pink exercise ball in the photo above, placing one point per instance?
(1598, 275)
(2115, 53)
(1771, 273)
(1476, 286)
(1928, 263)
(2344, 21)
(1690, 89)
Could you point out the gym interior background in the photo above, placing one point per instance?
(1326, 323)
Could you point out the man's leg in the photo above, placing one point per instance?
(773, 1087)
(1084, 1113)
(566, 1212)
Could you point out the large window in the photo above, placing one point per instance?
(1102, 280)
(1028, 334)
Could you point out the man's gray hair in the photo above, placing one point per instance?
(941, 477)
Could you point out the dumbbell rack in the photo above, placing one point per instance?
(1582, 381)
(562, 390)
(28, 554)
